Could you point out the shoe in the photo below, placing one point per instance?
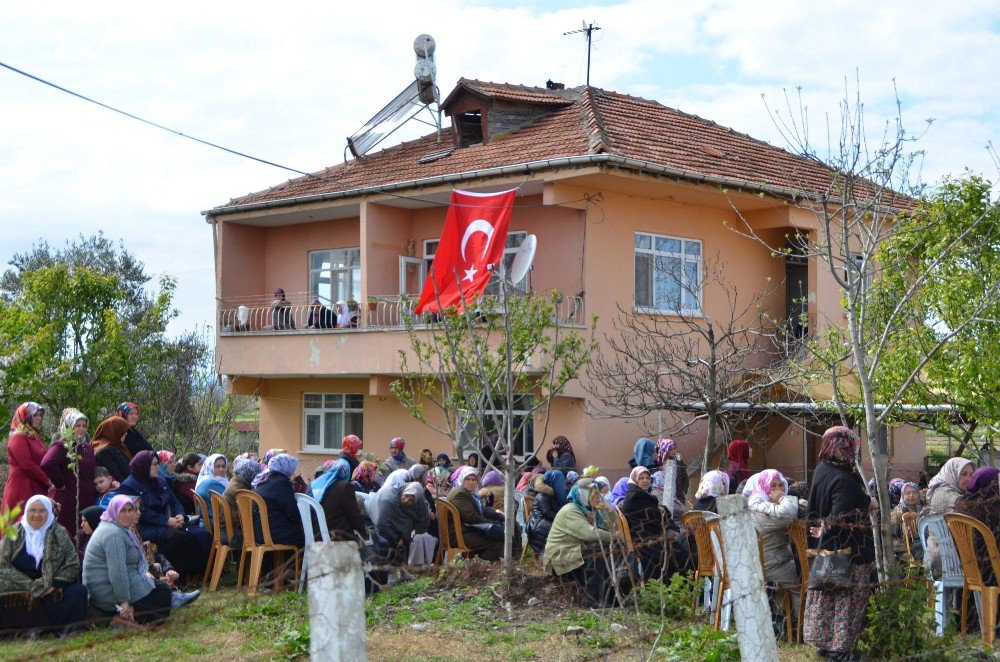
(178, 600)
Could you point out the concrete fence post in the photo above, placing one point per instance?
(336, 603)
(669, 485)
(746, 581)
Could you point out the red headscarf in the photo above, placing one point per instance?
(838, 447)
(739, 453)
(22, 418)
(350, 445)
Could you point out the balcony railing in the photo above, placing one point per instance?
(254, 315)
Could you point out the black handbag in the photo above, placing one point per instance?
(830, 570)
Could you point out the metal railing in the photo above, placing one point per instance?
(253, 315)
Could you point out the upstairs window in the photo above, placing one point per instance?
(328, 417)
(335, 275)
(667, 274)
(469, 126)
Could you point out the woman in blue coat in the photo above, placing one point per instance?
(162, 520)
(275, 485)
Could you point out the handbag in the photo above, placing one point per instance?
(829, 570)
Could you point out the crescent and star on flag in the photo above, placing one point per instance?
(478, 225)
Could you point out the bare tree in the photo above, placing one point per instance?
(700, 364)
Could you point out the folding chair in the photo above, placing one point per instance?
(307, 506)
(246, 501)
(963, 528)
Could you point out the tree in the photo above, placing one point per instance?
(699, 365)
(856, 215)
(476, 367)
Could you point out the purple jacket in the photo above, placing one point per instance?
(55, 464)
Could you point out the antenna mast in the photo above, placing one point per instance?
(589, 30)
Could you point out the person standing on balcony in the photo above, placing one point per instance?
(397, 458)
(346, 318)
(320, 317)
(134, 440)
(281, 312)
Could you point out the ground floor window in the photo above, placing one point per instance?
(493, 422)
(328, 417)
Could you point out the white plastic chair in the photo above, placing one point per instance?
(307, 506)
(951, 579)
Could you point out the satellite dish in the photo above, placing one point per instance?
(523, 258)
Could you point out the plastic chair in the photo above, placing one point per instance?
(246, 501)
(722, 603)
(450, 532)
(626, 533)
(696, 522)
(962, 529)
(952, 578)
(909, 531)
(222, 537)
(307, 506)
(799, 536)
(201, 510)
(524, 514)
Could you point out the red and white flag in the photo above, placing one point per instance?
(471, 247)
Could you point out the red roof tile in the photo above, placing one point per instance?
(581, 121)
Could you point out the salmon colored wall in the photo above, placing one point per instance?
(286, 259)
(385, 230)
(241, 256)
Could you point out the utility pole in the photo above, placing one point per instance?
(589, 30)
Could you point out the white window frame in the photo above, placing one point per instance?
(472, 445)
(321, 412)
(686, 259)
(354, 272)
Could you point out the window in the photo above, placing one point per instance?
(667, 274)
(524, 427)
(335, 275)
(430, 250)
(328, 417)
(514, 241)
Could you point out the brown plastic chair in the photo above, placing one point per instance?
(222, 538)
(963, 529)
(450, 522)
(909, 531)
(798, 534)
(527, 503)
(246, 501)
(201, 509)
(694, 521)
(715, 530)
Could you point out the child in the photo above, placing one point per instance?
(104, 486)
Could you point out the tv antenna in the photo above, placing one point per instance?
(414, 99)
(589, 30)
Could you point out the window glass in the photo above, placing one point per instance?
(667, 274)
(335, 275)
(327, 417)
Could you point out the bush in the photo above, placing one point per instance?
(671, 600)
(293, 642)
(703, 643)
(901, 618)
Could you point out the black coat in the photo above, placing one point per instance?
(114, 461)
(706, 503)
(644, 515)
(282, 512)
(135, 442)
(543, 512)
(341, 509)
(838, 497)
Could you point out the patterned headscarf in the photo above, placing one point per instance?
(351, 445)
(666, 449)
(34, 539)
(397, 443)
(426, 457)
(124, 408)
(633, 477)
(437, 475)
(659, 480)
(713, 484)
(416, 474)
(603, 482)
(365, 472)
(338, 470)
(270, 454)
(282, 463)
(839, 447)
(581, 496)
(21, 422)
(114, 508)
(895, 491)
(246, 468)
(557, 481)
(70, 417)
(571, 478)
(948, 474)
(761, 488)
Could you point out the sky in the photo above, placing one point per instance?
(288, 83)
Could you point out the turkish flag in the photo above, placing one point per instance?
(471, 247)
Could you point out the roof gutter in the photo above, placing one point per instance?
(613, 160)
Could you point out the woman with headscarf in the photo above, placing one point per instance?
(25, 452)
(909, 502)
(275, 485)
(162, 519)
(666, 449)
(982, 501)
(213, 477)
(335, 493)
(943, 492)
(134, 440)
(578, 541)
(561, 455)
(550, 495)
(397, 458)
(427, 458)
(840, 505)
(772, 511)
(364, 478)
(491, 489)
(245, 469)
(528, 477)
(443, 460)
(116, 572)
(482, 526)
(109, 447)
(738, 454)
(619, 491)
(43, 562)
(72, 488)
(714, 484)
(895, 491)
(644, 454)
(397, 514)
(416, 473)
(350, 449)
(604, 485)
(571, 478)
(652, 528)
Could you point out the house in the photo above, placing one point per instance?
(607, 182)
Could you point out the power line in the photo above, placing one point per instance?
(154, 124)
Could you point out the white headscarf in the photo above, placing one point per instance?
(34, 539)
(208, 470)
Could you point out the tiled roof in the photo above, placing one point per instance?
(581, 121)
